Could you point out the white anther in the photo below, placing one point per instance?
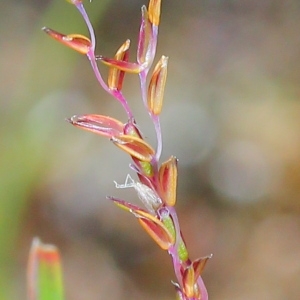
(148, 196)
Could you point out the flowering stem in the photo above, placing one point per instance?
(157, 183)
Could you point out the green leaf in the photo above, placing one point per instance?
(44, 272)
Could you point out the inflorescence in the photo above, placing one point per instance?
(157, 182)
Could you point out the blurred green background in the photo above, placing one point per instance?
(231, 115)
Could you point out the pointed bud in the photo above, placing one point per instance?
(190, 278)
(116, 76)
(199, 264)
(154, 11)
(103, 125)
(135, 147)
(77, 42)
(122, 65)
(158, 233)
(190, 286)
(168, 180)
(145, 168)
(157, 86)
(144, 54)
(124, 205)
(154, 227)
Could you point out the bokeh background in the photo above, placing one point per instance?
(231, 115)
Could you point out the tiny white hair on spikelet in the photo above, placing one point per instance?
(148, 196)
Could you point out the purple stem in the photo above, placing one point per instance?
(82, 11)
(173, 250)
(156, 123)
(92, 58)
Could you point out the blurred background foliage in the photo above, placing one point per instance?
(231, 115)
